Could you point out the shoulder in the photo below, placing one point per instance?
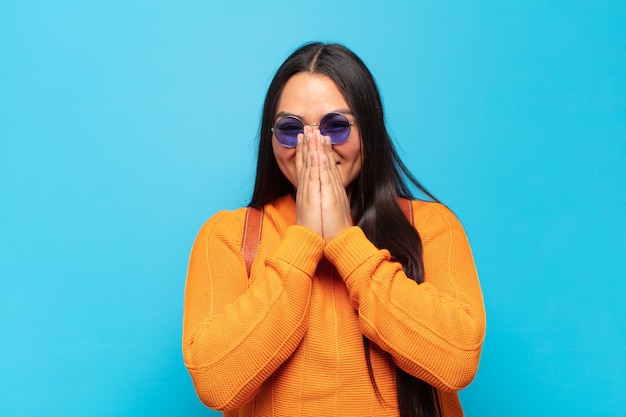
(223, 225)
(432, 218)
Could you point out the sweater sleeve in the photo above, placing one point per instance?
(434, 330)
(235, 335)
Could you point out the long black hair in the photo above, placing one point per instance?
(374, 198)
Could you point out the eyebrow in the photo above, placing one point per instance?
(285, 113)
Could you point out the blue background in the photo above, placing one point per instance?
(125, 125)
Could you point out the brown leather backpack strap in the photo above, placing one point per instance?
(251, 235)
(407, 208)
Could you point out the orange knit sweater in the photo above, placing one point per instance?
(288, 341)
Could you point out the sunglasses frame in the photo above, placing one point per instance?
(301, 122)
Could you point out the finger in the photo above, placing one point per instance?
(323, 159)
(314, 171)
(299, 162)
(300, 150)
(333, 192)
(334, 176)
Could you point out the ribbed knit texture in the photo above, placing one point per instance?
(288, 340)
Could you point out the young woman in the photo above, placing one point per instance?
(353, 306)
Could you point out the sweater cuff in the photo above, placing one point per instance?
(349, 250)
(302, 248)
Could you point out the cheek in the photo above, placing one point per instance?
(352, 151)
(350, 158)
(285, 160)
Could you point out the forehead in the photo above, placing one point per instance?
(310, 96)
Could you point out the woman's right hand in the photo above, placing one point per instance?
(308, 192)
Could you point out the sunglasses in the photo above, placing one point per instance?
(335, 125)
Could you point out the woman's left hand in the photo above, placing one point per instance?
(336, 215)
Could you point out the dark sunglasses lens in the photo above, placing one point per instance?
(337, 126)
(287, 130)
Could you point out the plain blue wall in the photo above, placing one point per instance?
(124, 125)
